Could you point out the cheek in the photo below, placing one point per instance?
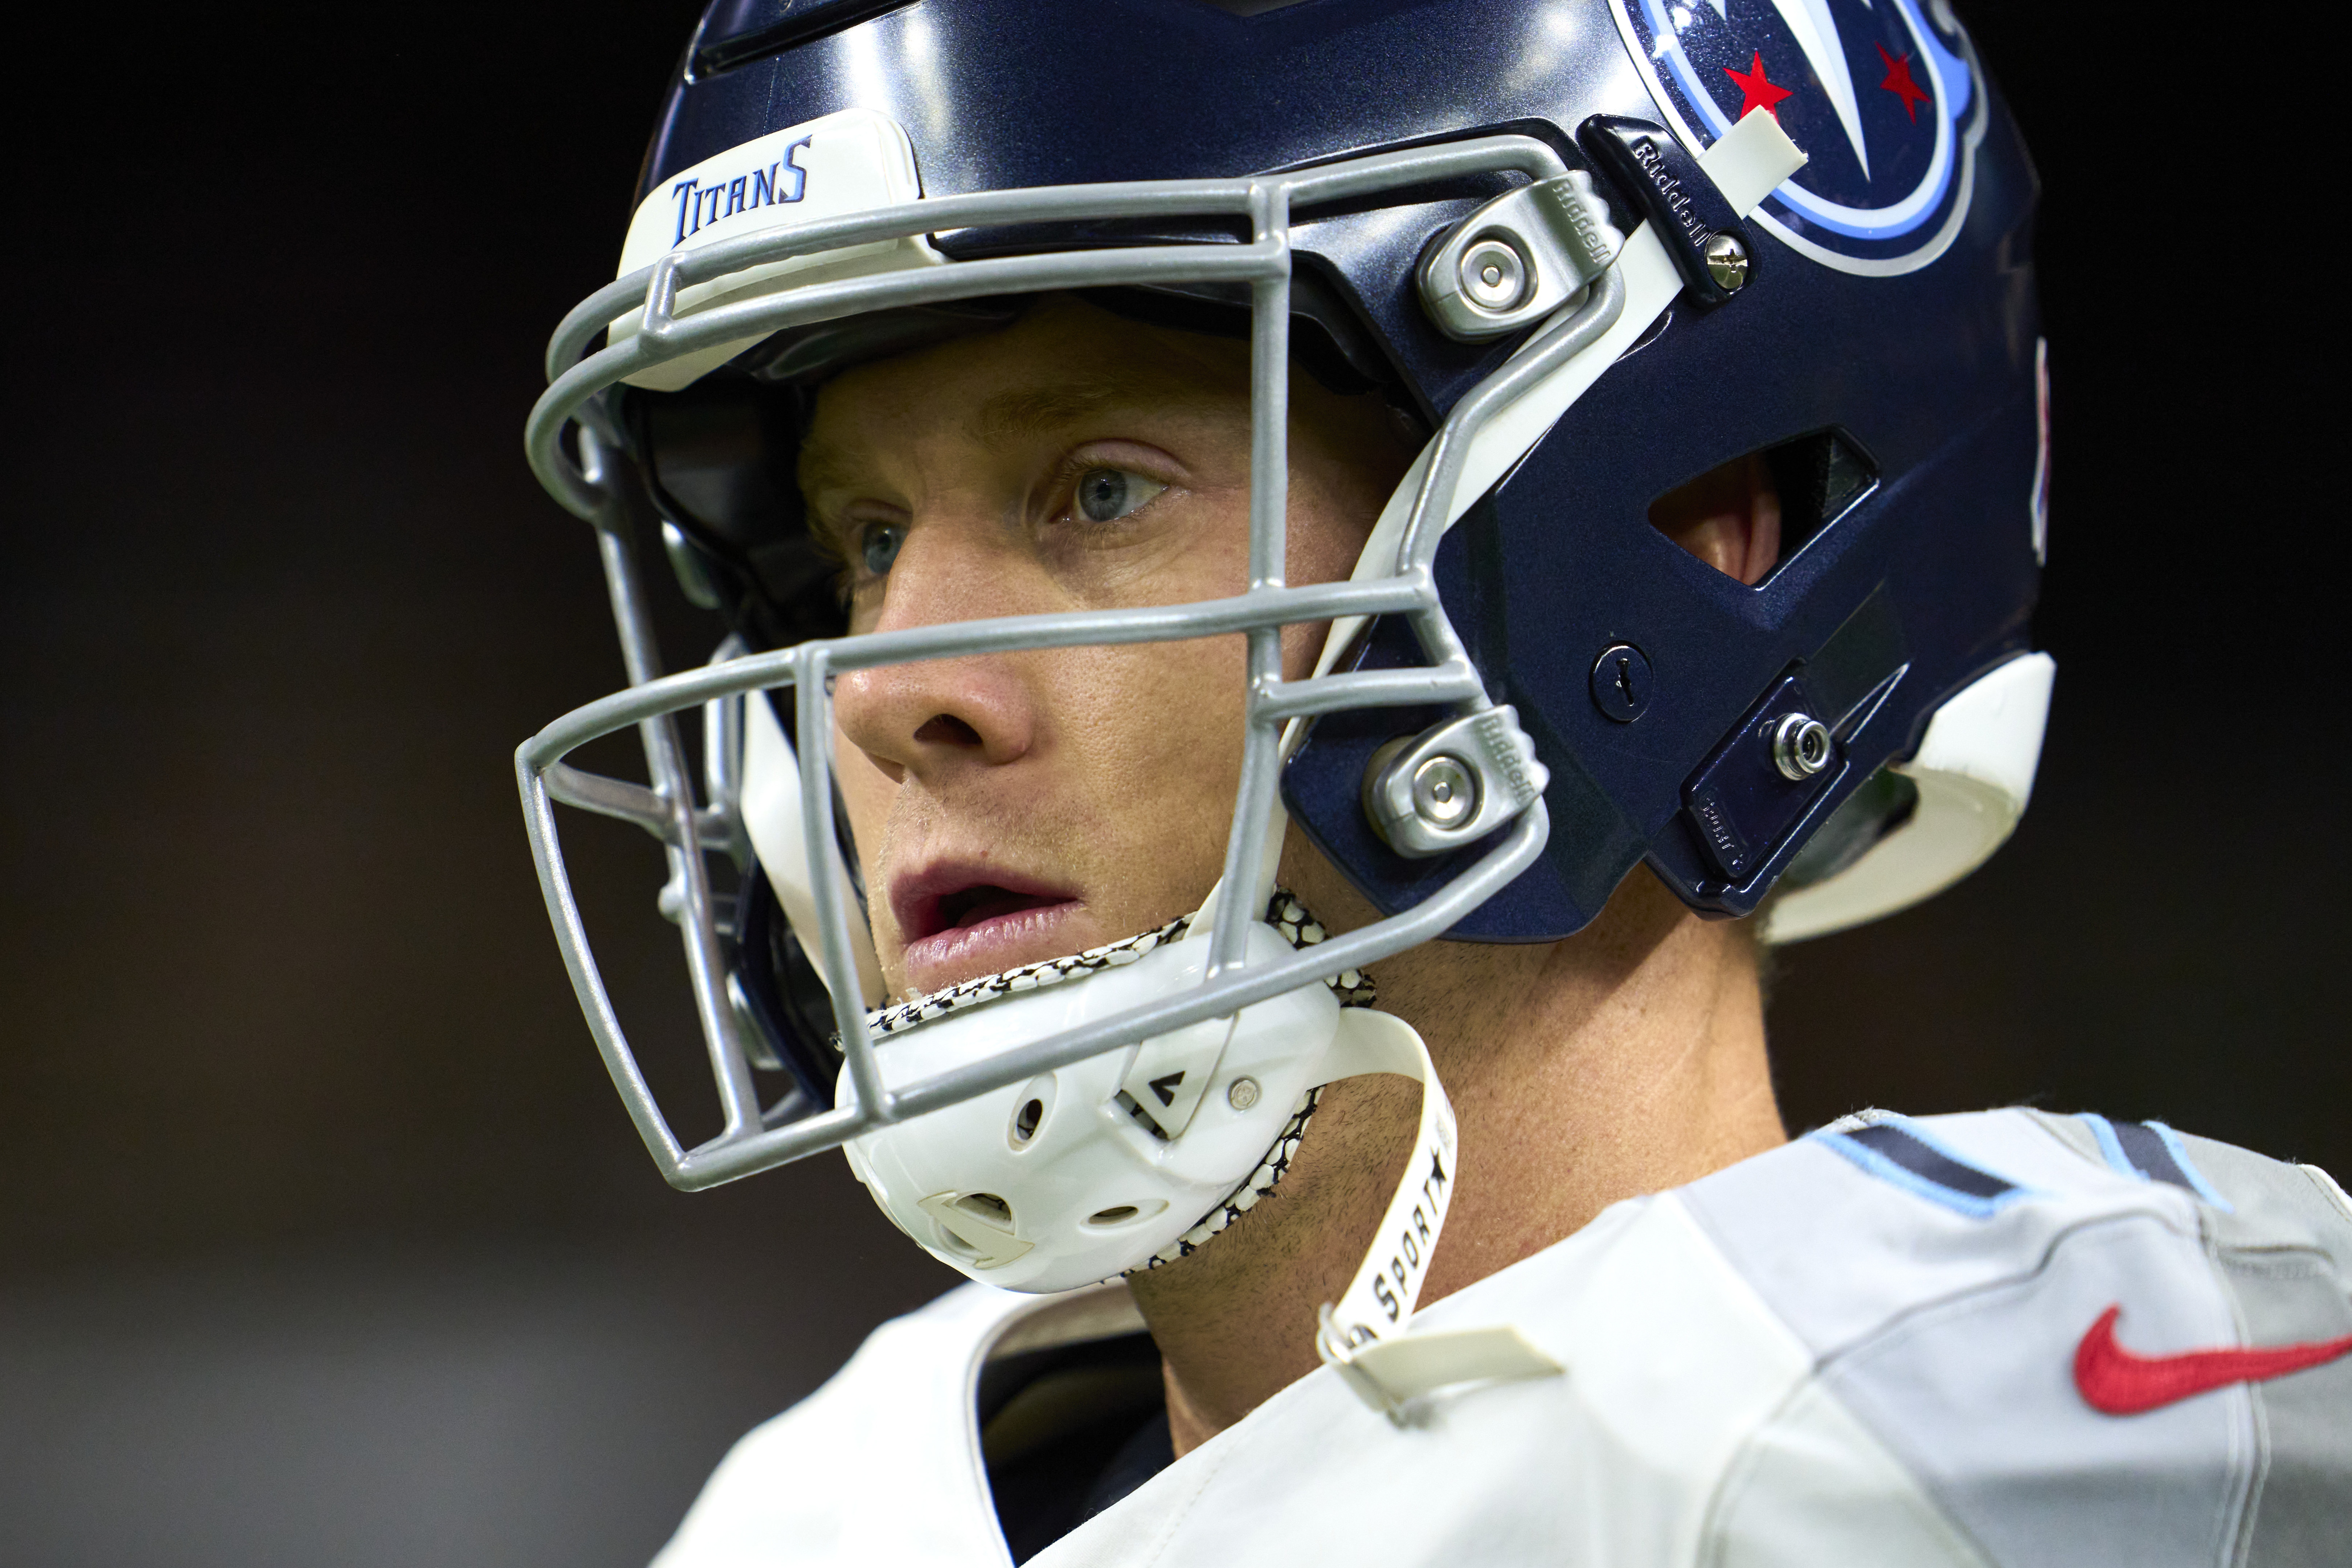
(1333, 507)
(867, 795)
(1155, 739)
(1165, 717)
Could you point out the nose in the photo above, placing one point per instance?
(928, 719)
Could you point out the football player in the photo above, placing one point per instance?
(1303, 585)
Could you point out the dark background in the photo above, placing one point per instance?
(322, 1238)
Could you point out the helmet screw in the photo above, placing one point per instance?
(1801, 746)
(1444, 795)
(1620, 682)
(1727, 262)
(1493, 274)
(1242, 1094)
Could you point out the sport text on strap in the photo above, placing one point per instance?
(1364, 1337)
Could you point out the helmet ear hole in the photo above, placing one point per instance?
(1126, 1213)
(1819, 477)
(1728, 517)
(1748, 516)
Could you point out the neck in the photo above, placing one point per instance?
(1624, 1060)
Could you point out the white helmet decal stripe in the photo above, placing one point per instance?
(1816, 31)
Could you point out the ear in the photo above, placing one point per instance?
(1729, 517)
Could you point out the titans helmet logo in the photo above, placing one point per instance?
(1882, 94)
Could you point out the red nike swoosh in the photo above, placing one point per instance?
(2115, 1381)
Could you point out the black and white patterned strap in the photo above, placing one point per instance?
(1242, 1199)
(1284, 912)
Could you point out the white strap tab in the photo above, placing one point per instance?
(1421, 1364)
(1749, 160)
(1363, 1336)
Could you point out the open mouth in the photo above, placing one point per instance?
(984, 901)
(958, 922)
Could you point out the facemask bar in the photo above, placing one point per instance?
(593, 491)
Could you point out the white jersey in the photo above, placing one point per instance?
(1889, 1342)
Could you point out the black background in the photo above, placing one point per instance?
(321, 1236)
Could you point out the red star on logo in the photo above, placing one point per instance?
(1899, 82)
(1755, 92)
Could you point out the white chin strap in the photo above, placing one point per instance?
(1363, 1335)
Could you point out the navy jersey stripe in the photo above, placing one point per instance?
(2151, 1151)
(2149, 1155)
(1928, 1163)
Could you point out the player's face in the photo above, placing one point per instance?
(1011, 807)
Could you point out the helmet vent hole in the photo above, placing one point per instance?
(1117, 1214)
(987, 1207)
(1030, 1106)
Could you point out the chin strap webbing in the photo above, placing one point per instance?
(1364, 1335)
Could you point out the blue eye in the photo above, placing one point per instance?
(879, 547)
(1105, 495)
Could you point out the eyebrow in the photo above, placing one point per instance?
(1024, 411)
(1012, 415)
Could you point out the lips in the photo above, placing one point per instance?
(962, 920)
(974, 906)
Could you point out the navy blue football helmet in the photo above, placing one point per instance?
(1595, 247)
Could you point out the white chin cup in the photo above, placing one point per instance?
(1055, 1183)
